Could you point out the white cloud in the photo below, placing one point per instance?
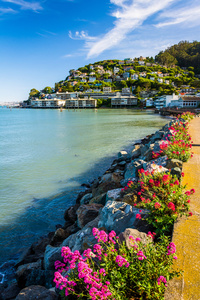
(6, 11)
(35, 6)
(129, 15)
(187, 15)
(81, 35)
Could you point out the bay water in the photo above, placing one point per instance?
(45, 156)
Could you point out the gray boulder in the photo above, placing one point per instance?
(132, 168)
(113, 195)
(101, 199)
(51, 255)
(104, 187)
(38, 292)
(174, 163)
(24, 270)
(157, 136)
(117, 177)
(124, 237)
(118, 216)
(10, 292)
(136, 152)
(157, 165)
(86, 199)
(125, 181)
(87, 213)
(59, 236)
(177, 172)
(144, 149)
(83, 239)
(123, 154)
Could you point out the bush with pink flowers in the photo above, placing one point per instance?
(112, 271)
(178, 143)
(163, 195)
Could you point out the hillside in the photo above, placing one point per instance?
(184, 54)
(171, 70)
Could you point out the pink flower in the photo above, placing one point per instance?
(157, 205)
(161, 279)
(122, 261)
(171, 206)
(190, 214)
(192, 191)
(165, 177)
(176, 182)
(138, 216)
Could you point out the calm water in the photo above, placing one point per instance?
(45, 155)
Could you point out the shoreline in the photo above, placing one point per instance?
(111, 169)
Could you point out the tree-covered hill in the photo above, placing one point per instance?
(184, 54)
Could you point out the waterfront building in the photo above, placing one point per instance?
(149, 102)
(123, 101)
(187, 101)
(165, 101)
(81, 103)
(47, 103)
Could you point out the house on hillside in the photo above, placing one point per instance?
(92, 78)
(128, 60)
(126, 75)
(141, 63)
(116, 70)
(134, 76)
(143, 74)
(126, 91)
(108, 80)
(107, 89)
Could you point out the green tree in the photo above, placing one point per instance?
(47, 90)
(34, 93)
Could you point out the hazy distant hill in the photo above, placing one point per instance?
(185, 54)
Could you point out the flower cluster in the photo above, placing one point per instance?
(162, 279)
(163, 195)
(178, 143)
(121, 273)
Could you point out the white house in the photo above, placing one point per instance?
(126, 91)
(92, 79)
(134, 76)
(141, 62)
(149, 102)
(116, 70)
(107, 89)
(165, 101)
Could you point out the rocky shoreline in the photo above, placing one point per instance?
(102, 204)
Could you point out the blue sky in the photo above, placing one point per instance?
(40, 41)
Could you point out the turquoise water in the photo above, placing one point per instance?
(45, 155)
